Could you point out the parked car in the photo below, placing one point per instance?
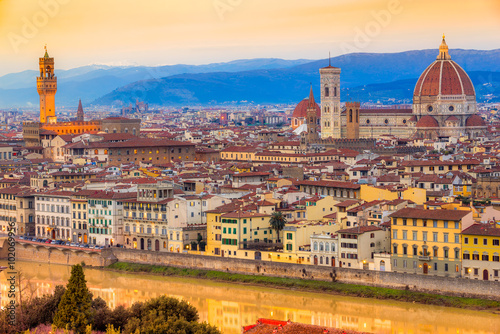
(67, 243)
(86, 246)
(49, 241)
(73, 244)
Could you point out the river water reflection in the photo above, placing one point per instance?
(231, 306)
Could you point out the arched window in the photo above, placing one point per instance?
(334, 91)
(327, 91)
(315, 247)
(327, 248)
(321, 247)
(350, 115)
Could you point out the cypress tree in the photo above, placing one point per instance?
(75, 309)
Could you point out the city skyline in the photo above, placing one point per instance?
(170, 32)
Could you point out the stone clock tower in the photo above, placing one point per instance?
(46, 85)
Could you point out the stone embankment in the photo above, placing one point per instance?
(100, 258)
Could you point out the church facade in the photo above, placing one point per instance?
(444, 105)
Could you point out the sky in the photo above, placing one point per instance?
(161, 32)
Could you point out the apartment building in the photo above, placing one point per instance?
(358, 245)
(481, 252)
(53, 214)
(105, 217)
(428, 242)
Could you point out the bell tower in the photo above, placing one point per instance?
(46, 85)
(330, 102)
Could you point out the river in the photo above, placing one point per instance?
(231, 306)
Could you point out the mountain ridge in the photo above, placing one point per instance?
(278, 80)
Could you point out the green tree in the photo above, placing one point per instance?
(119, 316)
(75, 309)
(41, 310)
(277, 222)
(101, 314)
(165, 315)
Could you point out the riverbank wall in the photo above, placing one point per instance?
(421, 283)
(47, 253)
(102, 258)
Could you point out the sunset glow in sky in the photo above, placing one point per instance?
(153, 32)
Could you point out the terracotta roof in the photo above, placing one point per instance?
(300, 110)
(360, 229)
(454, 215)
(427, 122)
(475, 120)
(483, 229)
(269, 326)
(347, 203)
(249, 174)
(444, 77)
(332, 184)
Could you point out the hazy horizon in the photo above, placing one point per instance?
(110, 64)
(169, 32)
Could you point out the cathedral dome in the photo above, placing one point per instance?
(475, 120)
(300, 110)
(444, 77)
(427, 122)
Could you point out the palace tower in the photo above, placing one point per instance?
(46, 85)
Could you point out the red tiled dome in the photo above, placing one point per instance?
(475, 120)
(444, 77)
(427, 122)
(301, 109)
(452, 119)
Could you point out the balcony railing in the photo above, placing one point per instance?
(424, 258)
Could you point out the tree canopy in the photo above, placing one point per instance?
(75, 309)
(277, 222)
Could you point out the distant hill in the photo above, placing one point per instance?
(388, 78)
(93, 81)
(368, 77)
(486, 84)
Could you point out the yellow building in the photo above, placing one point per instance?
(317, 207)
(370, 193)
(437, 166)
(214, 230)
(428, 241)
(481, 252)
(243, 232)
(297, 241)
